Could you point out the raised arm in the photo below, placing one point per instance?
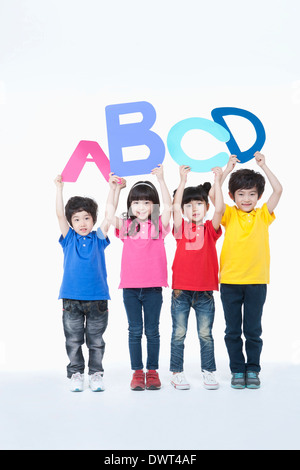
(115, 186)
(230, 166)
(177, 213)
(276, 186)
(166, 198)
(219, 202)
(60, 208)
(116, 221)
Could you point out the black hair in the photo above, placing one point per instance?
(195, 193)
(79, 204)
(246, 179)
(142, 191)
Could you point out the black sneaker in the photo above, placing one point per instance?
(238, 380)
(252, 379)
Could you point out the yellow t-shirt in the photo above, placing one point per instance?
(245, 255)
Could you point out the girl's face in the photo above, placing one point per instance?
(195, 211)
(142, 209)
(82, 222)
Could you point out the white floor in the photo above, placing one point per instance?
(39, 412)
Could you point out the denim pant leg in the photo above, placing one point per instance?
(180, 310)
(96, 324)
(152, 303)
(73, 323)
(133, 307)
(204, 306)
(149, 300)
(232, 296)
(255, 296)
(250, 298)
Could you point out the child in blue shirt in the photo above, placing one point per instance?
(84, 290)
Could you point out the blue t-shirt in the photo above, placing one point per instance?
(85, 276)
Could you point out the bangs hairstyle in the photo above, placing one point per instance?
(246, 179)
(79, 204)
(195, 193)
(142, 191)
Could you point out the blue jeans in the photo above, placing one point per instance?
(136, 301)
(243, 307)
(84, 320)
(204, 306)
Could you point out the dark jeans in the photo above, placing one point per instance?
(149, 300)
(243, 307)
(203, 304)
(84, 320)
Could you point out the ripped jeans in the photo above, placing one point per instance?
(203, 304)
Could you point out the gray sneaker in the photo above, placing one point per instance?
(238, 380)
(252, 380)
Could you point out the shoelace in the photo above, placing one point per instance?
(252, 375)
(77, 376)
(209, 377)
(238, 375)
(96, 377)
(180, 378)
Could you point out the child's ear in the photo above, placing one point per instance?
(207, 206)
(231, 196)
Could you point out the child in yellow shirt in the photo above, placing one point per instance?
(245, 266)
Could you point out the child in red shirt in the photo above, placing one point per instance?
(195, 274)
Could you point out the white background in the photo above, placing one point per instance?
(61, 63)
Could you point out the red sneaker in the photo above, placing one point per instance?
(138, 380)
(152, 380)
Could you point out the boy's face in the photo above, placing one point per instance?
(82, 222)
(245, 199)
(195, 211)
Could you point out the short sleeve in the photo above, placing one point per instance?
(105, 241)
(268, 218)
(227, 215)
(178, 235)
(120, 233)
(65, 240)
(164, 230)
(215, 234)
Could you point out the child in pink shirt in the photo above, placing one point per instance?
(144, 273)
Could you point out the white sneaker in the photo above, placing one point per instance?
(96, 382)
(77, 382)
(179, 381)
(209, 381)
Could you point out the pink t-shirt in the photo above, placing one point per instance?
(144, 260)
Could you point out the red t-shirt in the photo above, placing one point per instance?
(195, 265)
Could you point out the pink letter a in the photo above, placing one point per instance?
(79, 157)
